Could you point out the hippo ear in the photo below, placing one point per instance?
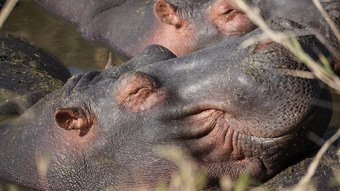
(227, 17)
(167, 13)
(73, 118)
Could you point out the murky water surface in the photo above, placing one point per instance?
(61, 39)
(32, 23)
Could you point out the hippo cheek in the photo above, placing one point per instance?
(138, 92)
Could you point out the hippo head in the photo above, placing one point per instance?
(181, 26)
(233, 109)
(129, 26)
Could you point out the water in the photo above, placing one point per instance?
(32, 23)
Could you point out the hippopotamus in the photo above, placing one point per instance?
(128, 26)
(233, 109)
(27, 74)
(182, 26)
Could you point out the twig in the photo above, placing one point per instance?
(328, 19)
(6, 10)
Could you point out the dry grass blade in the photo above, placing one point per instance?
(187, 179)
(330, 22)
(6, 10)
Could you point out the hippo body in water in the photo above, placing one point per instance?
(182, 26)
(233, 109)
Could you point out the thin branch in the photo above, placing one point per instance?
(328, 19)
(6, 10)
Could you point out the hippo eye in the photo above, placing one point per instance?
(229, 11)
(138, 92)
(74, 118)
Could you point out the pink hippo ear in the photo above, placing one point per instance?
(138, 92)
(167, 14)
(73, 118)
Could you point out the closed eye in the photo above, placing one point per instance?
(229, 11)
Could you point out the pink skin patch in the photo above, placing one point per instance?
(138, 92)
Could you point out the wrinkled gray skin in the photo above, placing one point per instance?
(232, 108)
(27, 74)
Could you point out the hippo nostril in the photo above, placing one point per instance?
(74, 118)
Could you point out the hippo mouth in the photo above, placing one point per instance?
(215, 138)
(202, 122)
